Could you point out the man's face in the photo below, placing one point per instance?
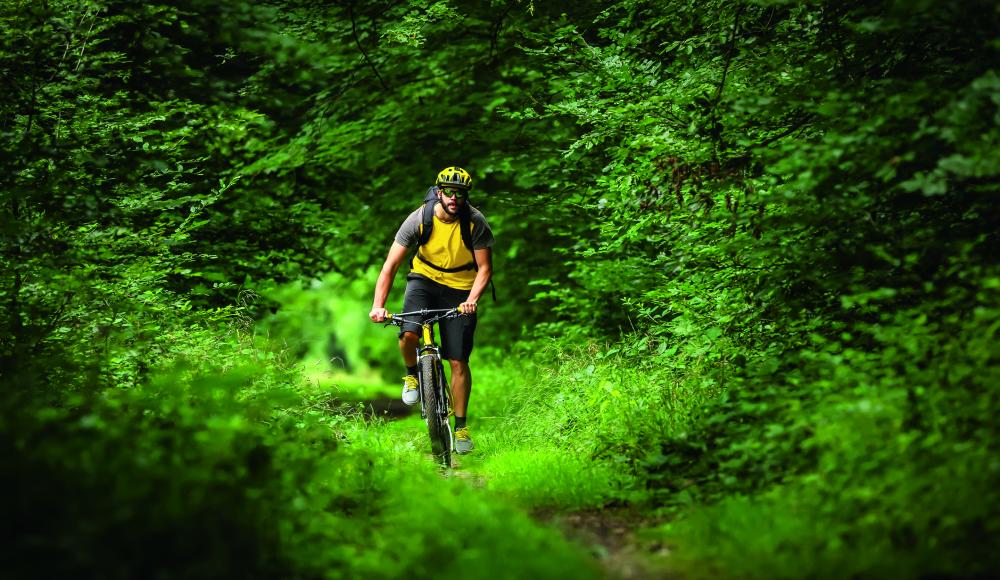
(451, 198)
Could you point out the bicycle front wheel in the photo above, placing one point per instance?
(436, 409)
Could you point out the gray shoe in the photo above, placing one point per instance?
(410, 393)
(463, 441)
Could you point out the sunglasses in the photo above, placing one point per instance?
(453, 193)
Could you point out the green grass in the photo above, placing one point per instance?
(449, 526)
(540, 478)
(562, 430)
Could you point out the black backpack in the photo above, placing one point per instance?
(464, 227)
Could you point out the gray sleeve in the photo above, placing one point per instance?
(409, 232)
(482, 235)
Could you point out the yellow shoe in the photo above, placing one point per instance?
(410, 393)
(463, 441)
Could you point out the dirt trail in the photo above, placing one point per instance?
(381, 406)
(610, 536)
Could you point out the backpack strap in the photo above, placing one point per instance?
(465, 228)
(470, 266)
(427, 219)
(493, 289)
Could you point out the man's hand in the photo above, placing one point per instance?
(467, 307)
(378, 314)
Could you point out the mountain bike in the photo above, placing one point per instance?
(433, 386)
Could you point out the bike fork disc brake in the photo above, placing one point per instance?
(445, 399)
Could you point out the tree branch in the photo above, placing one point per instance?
(83, 44)
(57, 317)
(495, 35)
(357, 41)
(792, 129)
(730, 50)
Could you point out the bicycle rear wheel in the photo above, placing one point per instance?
(436, 409)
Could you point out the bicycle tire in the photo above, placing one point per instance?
(437, 420)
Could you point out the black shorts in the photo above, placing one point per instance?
(456, 333)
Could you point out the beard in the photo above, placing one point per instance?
(447, 208)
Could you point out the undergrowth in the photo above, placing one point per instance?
(823, 461)
(251, 472)
(573, 425)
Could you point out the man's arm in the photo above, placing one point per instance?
(397, 253)
(484, 258)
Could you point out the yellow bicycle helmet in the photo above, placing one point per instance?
(454, 177)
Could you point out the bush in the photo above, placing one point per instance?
(236, 475)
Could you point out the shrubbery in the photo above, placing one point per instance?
(234, 475)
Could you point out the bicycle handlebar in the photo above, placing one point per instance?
(442, 313)
(425, 312)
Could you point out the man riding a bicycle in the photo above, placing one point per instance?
(451, 269)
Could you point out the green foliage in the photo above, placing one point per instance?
(178, 478)
(912, 518)
(326, 325)
(775, 218)
(808, 220)
(236, 474)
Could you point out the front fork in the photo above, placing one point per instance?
(443, 394)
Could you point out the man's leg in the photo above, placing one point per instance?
(414, 298)
(457, 337)
(408, 348)
(461, 387)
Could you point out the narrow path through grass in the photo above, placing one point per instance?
(557, 490)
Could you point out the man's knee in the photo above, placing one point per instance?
(408, 338)
(459, 366)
